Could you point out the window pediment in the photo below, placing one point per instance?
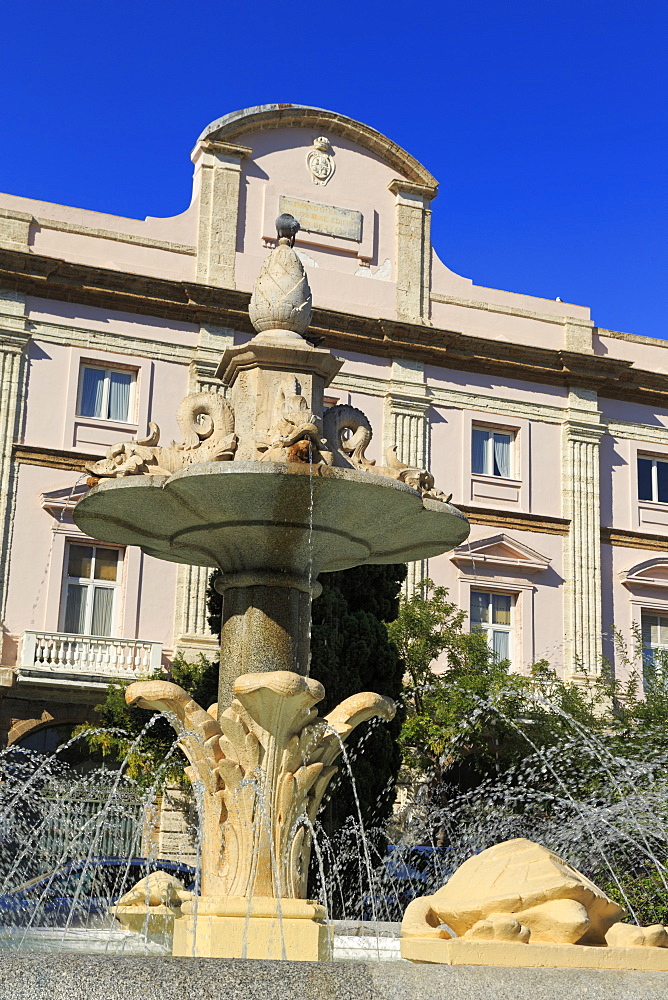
(58, 501)
(503, 553)
(650, 573)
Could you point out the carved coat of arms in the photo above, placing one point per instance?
(320, 161)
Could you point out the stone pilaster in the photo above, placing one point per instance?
(219, 167)
(13, 377)
(14, 229)
(413, 250)
(191, 629)
(406, 425)
(582, 432)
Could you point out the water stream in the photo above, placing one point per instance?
(617, 823)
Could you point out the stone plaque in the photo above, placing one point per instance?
(324, 219)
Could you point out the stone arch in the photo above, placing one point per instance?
(232, 127)
(48, 717)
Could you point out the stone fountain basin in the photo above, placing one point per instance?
(288, 517)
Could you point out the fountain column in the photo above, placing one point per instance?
(266, 620)
(276, 385)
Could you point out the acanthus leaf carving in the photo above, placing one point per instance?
(260, 773)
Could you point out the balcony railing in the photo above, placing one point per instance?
(85, 658)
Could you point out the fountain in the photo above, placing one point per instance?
(272, 491)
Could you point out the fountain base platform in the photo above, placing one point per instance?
(534, 956)
(264, 928)
(101, 977)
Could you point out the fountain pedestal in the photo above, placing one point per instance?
(224, 927)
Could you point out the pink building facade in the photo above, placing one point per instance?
(551, 434)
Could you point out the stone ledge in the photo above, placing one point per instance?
(98, 977)
(515, 955)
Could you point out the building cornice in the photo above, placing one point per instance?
(518, 521)
(634, 540)
(193, 302)
(52, 458)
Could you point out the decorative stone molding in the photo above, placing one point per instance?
(46, 277)
(219, 164)
(582, 432)
(634, 540)
(545, 524)
(266, 116)
(650, 573)
(503, 553)
(191, 628)
(52, 458)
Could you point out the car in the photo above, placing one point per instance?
(79, 893)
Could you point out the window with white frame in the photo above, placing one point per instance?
(655, 640)
(652, 479)
(106, 393)
(492, 614)
(491, 452)
(90, 589)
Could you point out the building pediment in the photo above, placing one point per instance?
(502, 553)
(233, 127)
(650, 573)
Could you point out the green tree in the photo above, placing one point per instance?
(474, 708)
(352, 652)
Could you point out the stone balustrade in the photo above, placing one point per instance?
(60, 656)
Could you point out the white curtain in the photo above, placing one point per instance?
(92, 392)
(75, 609)
(119, 395)
(502, 455)
(103, 602)
(479, 441)
(501, 645)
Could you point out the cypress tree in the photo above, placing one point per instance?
(351, 652)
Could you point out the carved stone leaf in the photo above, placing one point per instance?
(281, 298)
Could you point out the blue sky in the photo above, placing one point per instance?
(544, 122)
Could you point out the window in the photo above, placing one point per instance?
(106, 394)
(491, 452)
(652, 479)
(491, 614)
(654, 640)
(90, 587)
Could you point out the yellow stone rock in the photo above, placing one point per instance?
(519, 904)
